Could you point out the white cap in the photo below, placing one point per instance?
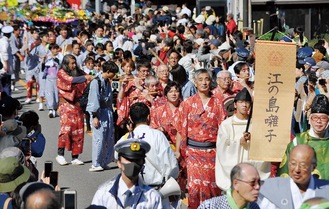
(165, 9)
(224, 47)
(153, 38)
(7, 29)
(199, 41)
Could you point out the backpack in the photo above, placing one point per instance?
(84, 98)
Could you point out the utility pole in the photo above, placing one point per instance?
(97, 6)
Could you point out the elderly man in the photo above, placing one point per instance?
(317, 137)
(233, 142)
(197, 123)
(151, 95)
(224, 81)
(163, 74)
(231, 24)
(287, 193)
(245, 185)
(223, 90)
(38, 195)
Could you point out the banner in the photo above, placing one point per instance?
(274, 92)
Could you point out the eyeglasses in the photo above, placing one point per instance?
(302, 166)
(253, 183)
(173, 58)
(322, 118)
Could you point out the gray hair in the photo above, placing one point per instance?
(200, 71)
(223, 72)
(150, 79)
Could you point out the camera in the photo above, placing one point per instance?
(70, 199)
(48, 168)
(54, 178)
(26, 146)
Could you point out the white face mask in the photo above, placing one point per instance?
(177, 11)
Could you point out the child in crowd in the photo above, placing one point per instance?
(89, 51)
(76, 48)
(88, 68)
(52, 64)
(99, 49)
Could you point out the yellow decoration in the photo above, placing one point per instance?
(12, 3)
(135, 146)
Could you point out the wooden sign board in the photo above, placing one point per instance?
(274, 92)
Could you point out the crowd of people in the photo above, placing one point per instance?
(166, 95)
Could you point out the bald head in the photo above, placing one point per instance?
(42, 199)
(302, 162)
(163, 73)
(246, 183)
(304, 150)
(163, 67)
(241, 170)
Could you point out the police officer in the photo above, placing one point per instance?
(127, 189)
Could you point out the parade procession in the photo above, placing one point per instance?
(166, 105)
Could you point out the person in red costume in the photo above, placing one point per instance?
(71, 81)
(230, 25)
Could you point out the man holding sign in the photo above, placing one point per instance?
(233, 142)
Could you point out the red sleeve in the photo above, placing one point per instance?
(171, 34)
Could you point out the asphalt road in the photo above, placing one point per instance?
(72, 177)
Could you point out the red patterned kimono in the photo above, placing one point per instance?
(130, 95)
(160, 99)
(237, 87)
(217, 93)
(227, 99)
(163, 116)
(71, 134)
(200, 124)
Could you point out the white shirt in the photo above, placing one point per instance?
(143, 197)
(185, 10)
(161, 155)
(118, 41)
(297, 197)
(230, 152)
(186, 62)
(5, 53)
